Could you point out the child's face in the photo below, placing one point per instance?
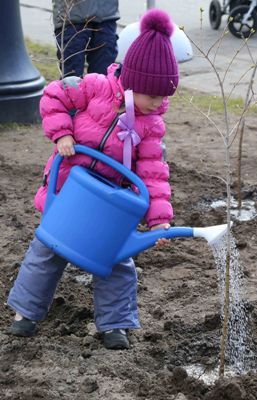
(147, 104)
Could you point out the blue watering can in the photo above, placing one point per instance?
(92, 222)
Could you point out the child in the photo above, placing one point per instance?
(151, 72)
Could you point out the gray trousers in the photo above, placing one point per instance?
(115, 297)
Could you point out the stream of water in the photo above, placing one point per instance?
(239, 357)
(238, 329)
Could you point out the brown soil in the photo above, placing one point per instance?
(178, 296)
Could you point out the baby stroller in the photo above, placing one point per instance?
(242, 16)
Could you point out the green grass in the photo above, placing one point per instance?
(211, 103)
(12, 126)
(44, 58)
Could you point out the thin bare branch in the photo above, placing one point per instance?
(233, 58)
(190, 101)
(219, 41)
(219, 81)
(237, 83)
(82, 51)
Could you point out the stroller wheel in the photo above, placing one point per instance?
(215, 14)
(237, 27)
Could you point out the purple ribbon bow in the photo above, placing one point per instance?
(128, 134)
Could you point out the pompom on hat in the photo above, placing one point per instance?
(150, 66)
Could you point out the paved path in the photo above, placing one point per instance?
(196, 74)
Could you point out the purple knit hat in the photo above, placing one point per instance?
(150, 66)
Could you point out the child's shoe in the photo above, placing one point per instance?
(24, 327)
(115, 339)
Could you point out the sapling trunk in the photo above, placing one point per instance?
(224, 335)
(239, 167)
(241, 128)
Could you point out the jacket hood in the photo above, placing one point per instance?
(114, 79)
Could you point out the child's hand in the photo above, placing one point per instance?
(65, 146)
(162, 241)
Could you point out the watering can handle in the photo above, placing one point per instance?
(127, 173)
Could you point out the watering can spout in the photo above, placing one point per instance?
(140, 241)
(212, 233)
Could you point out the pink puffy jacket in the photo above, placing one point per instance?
(96, 99)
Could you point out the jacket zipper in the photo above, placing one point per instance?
(104, 138)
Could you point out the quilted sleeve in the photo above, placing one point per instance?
(60, 100)
(154, 171)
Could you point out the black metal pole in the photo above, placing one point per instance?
(21, 85)
(150, 4)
